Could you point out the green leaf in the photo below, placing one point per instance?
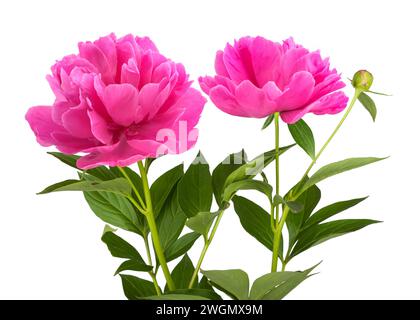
(268, 121)
(369, 105)
(338, 167)
(256, 221)
(134, 177)
(137, 288)
(195, 189)
(380, 93)
(331, 210)
(197, 292)
(205, 284)
(254, 167)
(234, 283)
(202, 222)
(294, 206)
(172, 296)
(118, 186)
(163, 186)
(294, 222)
(118, 247)
(182, 273)
(303, 136)
(100, 172)
(114, 209)
(247, 184)
(133, 265)
(320, 233)
(148, 162)
(276, 285)
(181, 246)
(223, 170)
(171, 221)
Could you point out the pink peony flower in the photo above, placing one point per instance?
(256, 77)
(119, 101)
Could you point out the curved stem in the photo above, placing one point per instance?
(151, 273)
(140, 199)
(353, 101)
(150, 217)
(207, 243)
(350, 107)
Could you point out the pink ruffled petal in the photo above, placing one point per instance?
(123, 153)
(234, 64)
(121, 102)
(77, 122)
(67, 143)
(41, 123)
(297, 92)
(253, 100)
(265, 60)
(130, 73)
(100, 128)
(330, 104)
(146, 44)
(225, 101)
(219, 65)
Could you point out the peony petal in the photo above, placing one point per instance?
(122, 153)
(95, 56)
(67, 143)
(164, 70)
(206, 83)
(297, 92)
(330, 84)
(130, 73)
(192, 102)
(225, 101)
(253, 100)
(100, 128)
(219, 65)
(234, 64)
(288, 63)
(330, 104)
(146, 44)
(121, 102)
(77, 122)
(41, 123)
(265, 60)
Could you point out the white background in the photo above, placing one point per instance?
(50, 245)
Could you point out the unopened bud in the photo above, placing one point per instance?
(362, 80)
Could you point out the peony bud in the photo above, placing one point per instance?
(362, 80)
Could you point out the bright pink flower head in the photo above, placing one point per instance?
(256, 77)
(119, 101)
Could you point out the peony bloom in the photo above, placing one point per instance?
(119, 101)
(256, 77)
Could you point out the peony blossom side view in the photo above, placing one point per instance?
(113, 101)
(257, 77)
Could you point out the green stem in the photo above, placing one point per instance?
(151, 273)
(353, 101)
(277, 145)
(140, 199)
(277, 229)
(350, 107)
(207, 243)
(153, 228)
